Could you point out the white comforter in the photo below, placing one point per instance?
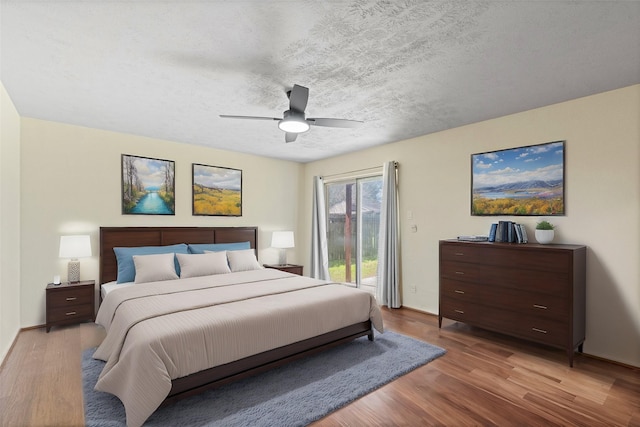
(161, 331)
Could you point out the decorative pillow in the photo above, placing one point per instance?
(243, 260)
(200, 248)
(206, 264)
(154, 268)
(124, 256)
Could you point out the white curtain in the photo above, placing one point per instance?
(319, 251)
(388, 289)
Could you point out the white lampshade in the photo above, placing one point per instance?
(75, 246)
(282, 239)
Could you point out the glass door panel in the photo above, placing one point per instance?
(369, 205)
(352, 230)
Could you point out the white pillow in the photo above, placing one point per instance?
(243, 260)
(154, 268)
(206, 264)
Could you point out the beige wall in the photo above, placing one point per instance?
(71, 185)
(602, 134)
(9, 222)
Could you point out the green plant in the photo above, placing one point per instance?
(544, 225)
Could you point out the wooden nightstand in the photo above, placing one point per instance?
(69, 303)
(289, 268)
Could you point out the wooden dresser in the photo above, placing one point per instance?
(531, 291)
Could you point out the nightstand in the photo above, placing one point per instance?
(289, 268)
(69, 303)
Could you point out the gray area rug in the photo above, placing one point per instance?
(292, 395)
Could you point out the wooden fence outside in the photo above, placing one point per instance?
(336, 238)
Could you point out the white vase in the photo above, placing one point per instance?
(544, 236)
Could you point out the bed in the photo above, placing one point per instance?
(218, 299)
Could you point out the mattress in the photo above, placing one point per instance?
(105, 288)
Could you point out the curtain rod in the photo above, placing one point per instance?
(372, 168)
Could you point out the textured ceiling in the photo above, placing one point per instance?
(167, 69)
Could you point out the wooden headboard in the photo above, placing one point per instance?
(111, 237)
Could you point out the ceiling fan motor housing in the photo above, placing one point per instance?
(294, 122)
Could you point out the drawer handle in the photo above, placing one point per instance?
(460, 273)
(459, 311)
(72, 299)
(542, 307)
(542, 331)
(458, 291)
(71, 313)
(459, 254)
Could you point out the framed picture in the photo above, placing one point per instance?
(148, 186)
(217, 191)
(519, 181)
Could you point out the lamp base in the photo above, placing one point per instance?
(282, 259)
(73, 272)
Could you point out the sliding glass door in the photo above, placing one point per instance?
(352, 231)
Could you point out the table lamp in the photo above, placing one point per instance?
(74, 247)
(282, 240)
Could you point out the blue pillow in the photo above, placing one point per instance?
(217, 247)
(126, 267)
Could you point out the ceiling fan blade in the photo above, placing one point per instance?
(225, 116)
(298, 98)
(334, 123)
(290, 137)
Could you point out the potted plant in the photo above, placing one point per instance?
(544, 232)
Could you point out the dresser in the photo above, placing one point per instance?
(69, 303)
(530, 291)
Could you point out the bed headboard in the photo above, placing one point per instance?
(111, 237)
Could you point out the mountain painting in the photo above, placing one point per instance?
(519, 181)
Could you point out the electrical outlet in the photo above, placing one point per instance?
(412, 289)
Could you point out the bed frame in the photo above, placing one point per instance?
(111, 237)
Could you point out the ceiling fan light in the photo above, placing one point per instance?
(293, 125)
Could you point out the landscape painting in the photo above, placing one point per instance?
(217, 191)
(148, 186)
(519, 181)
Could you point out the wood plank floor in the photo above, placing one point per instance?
(484, 379)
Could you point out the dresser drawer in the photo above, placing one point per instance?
(71, 313)
(478, 315)
(510, 277)
(69, 297)
(529, 303)
(543, 330)
(521, 256)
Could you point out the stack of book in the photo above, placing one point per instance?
(473, 238)
(508, 232)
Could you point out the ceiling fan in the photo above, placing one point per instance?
(294, 121)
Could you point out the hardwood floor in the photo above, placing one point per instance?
(484, 379)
